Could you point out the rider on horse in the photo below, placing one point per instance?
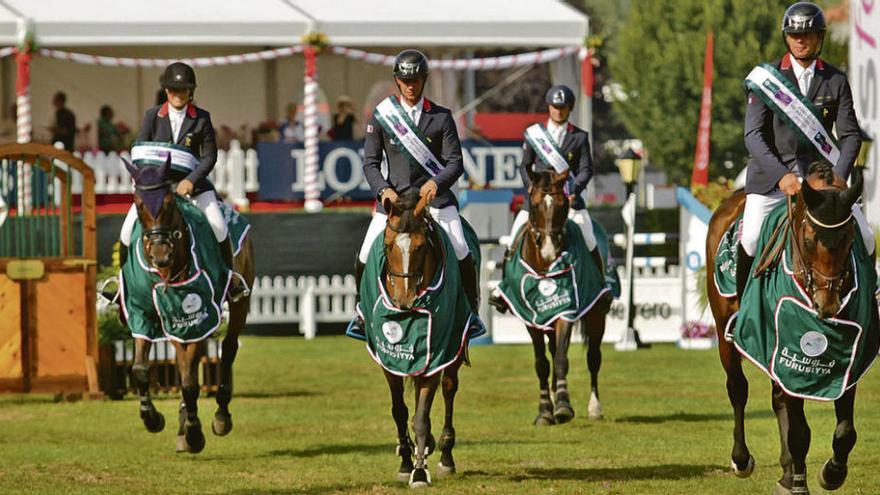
(419, 140)
(179, 122)
(782, 147)
(569, 148)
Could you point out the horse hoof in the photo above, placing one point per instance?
(194, 438)
(746, 471)
(222, 423)
(419, 478)
(154, 421)
(563, 413)
(832, 477)
(594, 410)
(544, 418)
(180, 445)
(444, 470)
(403, 476)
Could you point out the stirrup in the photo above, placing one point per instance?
(238, 291)
(110, 296)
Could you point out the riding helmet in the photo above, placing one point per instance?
(178, 75)
(410, 64)
(803, 17)
(560, 95)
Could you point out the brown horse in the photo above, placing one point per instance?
(543, 241)
(167, 249)
(820, 259)
(412, 259)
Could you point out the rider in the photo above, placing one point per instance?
(574, 145)
(405, 173)
(778, 158)
(178, 121)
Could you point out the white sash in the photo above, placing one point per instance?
(793, 107)
(540, 141)
(4, 210)
(396, 122)
(155, 153)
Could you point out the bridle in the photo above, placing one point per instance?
(418, 275)
(555, 233)
(164, 235)
(813, 279)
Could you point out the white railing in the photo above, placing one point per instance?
(304, 300)
(234, 175)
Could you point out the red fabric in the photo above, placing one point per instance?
(23, 78)
(190, 110)
(587, 74)
(164, 110)
(507, 126)
(311, 61)
(704, 130)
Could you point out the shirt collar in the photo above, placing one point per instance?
(554, 127)
(419, 104)
(799, 69)
(190, 110)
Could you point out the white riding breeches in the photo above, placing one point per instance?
(207, 202)
(758, 206)
(580, 217)
(447, 218)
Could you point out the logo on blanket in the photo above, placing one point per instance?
(547, 287)
(393, 331)
(813, 343)
(191, 303)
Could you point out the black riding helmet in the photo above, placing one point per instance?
(410, 64)
(560, 95)
(178, 75)
(804, 17)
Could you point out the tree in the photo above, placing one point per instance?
(659, 64)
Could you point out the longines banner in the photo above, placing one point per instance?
(863, 72)
(281, 168)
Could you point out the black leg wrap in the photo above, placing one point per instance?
(468, 271)
(743, 270)
(191, 398)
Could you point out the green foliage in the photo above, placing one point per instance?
(659, 63)
(713, 193)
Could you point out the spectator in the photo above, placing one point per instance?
(64, 128)
(343, 122)
(109, 137)
(291, 129)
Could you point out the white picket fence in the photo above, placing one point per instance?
(303, 300)
(234, 175)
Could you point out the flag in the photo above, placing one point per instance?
(587, 72)
(704, 130)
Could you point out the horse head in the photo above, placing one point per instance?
(548, 212)
(408, 252)
(161, 221)
(824, 236)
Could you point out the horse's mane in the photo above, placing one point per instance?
(832, 209)
(406, 204)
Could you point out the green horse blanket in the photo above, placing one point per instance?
(186, 311)
(571, 286)
(778, 330)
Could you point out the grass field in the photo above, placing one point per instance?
(314, 418)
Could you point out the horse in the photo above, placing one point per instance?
(166, 247)
(411, 247)
(821, 259)
(543, 239)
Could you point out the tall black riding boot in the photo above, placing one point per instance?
(597, 258)
(468, 271)
(495, 300)
(357, 326)
(237, 288)
(743, 270)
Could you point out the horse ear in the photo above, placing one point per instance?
(420, 206)
(133, 169)
(388, 206)
(163, 170)
(811, 196)
(531, 173)
(557, 178)
(850, 195)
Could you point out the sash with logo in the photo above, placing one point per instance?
(786, 100)
(540, 141)
(155, 153)
(396, 122)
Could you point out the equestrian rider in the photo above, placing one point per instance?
(573, 143)
(178, 121)
(778, 157)
(406, 173)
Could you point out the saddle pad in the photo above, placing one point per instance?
(725, 259)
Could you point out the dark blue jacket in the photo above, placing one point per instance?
(774, 147)
(576, 151)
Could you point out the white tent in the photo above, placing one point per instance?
(521, 23)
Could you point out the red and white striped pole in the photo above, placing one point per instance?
(23, 109)
(310, 125)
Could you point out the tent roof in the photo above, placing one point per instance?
(283, 22)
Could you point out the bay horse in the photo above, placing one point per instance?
(166, 244)
(820, 268)
(413, 257)
(543, 240)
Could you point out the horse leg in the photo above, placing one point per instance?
(400, 414)
(798, 445)
(741, 461)
(153, 419)
(834, 471)
(222, 423)
(563, 411)
(426, 387)
(447, 438)
(593, 328)
(542, 369)
(781, 411)
(188, 356)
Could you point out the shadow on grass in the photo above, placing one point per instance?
(690, 418)
(317, 490)
(660, 472)
(384, 448)
(275, 394)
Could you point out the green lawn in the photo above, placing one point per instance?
(314, 418)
